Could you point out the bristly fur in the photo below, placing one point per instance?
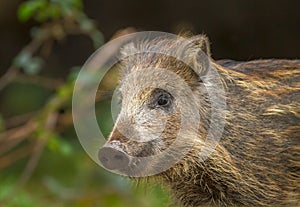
(257, 162)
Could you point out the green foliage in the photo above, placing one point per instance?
(64, 176)
(97, 38)
(73, 73)
(22, 58)
(66, 90)
(42, 10)
(29, 8)
(30, 65)
(61, 181)
(21, 98)
(58, 144)
(52, 10)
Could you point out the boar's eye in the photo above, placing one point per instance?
(161, 99)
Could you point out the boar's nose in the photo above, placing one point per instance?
(113, 158)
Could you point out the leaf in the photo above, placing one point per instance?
(54, 12)
(77, 3)
(97, 38)
(85, 23)
(69, 4)
(33, 66)
(74, 73)
(25, 12)
(65, 90)
(28, 9)
(57, 144)
(22, 59)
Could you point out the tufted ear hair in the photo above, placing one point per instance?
(202, 42)
(197, 51)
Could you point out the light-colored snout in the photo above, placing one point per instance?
(113, 157)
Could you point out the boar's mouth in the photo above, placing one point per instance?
(117, 158)
(133, 158)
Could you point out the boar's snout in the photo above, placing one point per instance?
(113, 158)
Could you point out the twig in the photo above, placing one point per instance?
(47, 117)
(11, 138)
(18, 133)
(13, 70)
(37, 150)
(39, 80)
(50, 34)
(8, 76)
(19, 120)
(14, 156)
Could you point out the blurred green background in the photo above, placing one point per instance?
(44, 43)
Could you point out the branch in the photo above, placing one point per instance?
(13, 70)
(37, 150)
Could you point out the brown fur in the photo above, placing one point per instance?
(260, 163)
(257, 161)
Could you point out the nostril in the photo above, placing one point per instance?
(118, 157)
(103, 159)
(113, 159)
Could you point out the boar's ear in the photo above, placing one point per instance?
(198, 52)
(202, 42)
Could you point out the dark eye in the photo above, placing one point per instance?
(160, 99)
(163, 100)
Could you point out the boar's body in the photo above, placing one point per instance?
(257, 161)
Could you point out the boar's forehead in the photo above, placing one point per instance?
(156, 61)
